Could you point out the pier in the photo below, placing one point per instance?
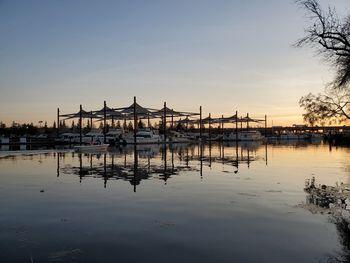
(168, 123)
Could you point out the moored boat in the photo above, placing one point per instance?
(143, 136)
(243, 136)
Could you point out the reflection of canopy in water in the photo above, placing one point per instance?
(174, 160)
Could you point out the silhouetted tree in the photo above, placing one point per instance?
(329, 35)
(332, 105)
(130, 126)
(118, 126)
(141, 124)
(179, 126)
(125, 126)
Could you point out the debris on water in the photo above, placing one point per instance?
(164, 223)
(69, 255)
(273, 191)
(42, 191)
(247, 194)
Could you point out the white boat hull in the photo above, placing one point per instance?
(143, 140)
(244, 136)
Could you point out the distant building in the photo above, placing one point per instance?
(299, 125)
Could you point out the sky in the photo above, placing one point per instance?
(222, 55)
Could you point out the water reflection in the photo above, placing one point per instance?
(137, 163)
(192, 203)
(334, 201)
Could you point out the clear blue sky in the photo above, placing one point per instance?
(223, 55)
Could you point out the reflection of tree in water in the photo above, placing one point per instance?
(332, 200)
(343, 231)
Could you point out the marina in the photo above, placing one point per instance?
(140, 126)
(175, 131)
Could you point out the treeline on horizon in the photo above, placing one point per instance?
(43, 128)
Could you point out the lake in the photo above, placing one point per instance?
(174, 203)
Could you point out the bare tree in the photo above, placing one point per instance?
(330, 36)
(333, 105)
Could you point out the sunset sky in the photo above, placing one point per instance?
(223, 55)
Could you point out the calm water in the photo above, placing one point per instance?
(182, 204)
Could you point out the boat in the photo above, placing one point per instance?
(143, 136)
(178, 137)
(293, 136)
(93, 135)
(68, 137)
(113, 136)
(243, 136)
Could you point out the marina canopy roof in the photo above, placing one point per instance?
(231, 119)
(220, 120)
(138, 109)
(172, 113)
(187, 120)
(145, 113)
(82, 113)
(248, 119)
(101, 111)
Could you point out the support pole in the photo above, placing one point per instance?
(80, 124)
(135, 163)
(209, 121)
(104, 121)
(172, 119)
(135, 120)
(58, 123)
(164, 121)
(247, 121)
(265, 126)
(222, 124)
(91, 120)
(200, 122)
(236, 126)
(241, 124)
(105, 170)
(58, 164)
